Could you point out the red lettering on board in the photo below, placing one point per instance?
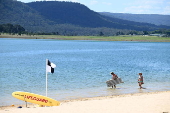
(28, 97)
(36, 99)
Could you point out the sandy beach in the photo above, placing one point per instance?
(153, 102)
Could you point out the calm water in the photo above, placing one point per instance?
(82, 69)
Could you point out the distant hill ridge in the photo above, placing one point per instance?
(144, 18)
(68, 12)
(78, 14)
(57, 16)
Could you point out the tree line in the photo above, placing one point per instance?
(12, 29)
(18, 29)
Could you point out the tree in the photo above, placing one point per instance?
(101, 33)
(145, 32)
(9, 28)
(168, 33)
(18, 29)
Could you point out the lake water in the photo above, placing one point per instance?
(82, 69)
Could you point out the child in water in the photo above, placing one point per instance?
(140, 80)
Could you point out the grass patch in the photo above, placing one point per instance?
(102, 38)
(109, 38)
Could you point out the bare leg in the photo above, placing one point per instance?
(140, 85)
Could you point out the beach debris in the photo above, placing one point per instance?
(40, 105)
(12, 105)
(19, 106)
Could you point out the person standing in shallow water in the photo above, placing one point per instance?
(114, 77)
(140, 80)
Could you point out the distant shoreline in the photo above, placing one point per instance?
(99, 38)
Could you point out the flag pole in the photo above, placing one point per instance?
(49, 68)
(46, 76)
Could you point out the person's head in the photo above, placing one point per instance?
(140, 73)
(112, 73)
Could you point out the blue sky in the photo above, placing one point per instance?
(123, 6)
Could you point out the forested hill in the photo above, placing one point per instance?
(144, 18)
(15, 12)
(64, 17)
(75, 14)
(78, 14)
(69, 12)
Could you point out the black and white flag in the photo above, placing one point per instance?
(50, 66)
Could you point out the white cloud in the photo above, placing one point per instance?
(106, 3)
(139, 9)
(94, 2)
(59, 0)
(147, 2)
(166, 10)
(148, 7)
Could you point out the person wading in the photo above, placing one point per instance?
(140, 80)
(114, 77)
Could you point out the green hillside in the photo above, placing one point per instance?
(78, 14)
(15, 12)
(144, 18)
(66, 18)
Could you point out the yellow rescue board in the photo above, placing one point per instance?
(35, 98)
